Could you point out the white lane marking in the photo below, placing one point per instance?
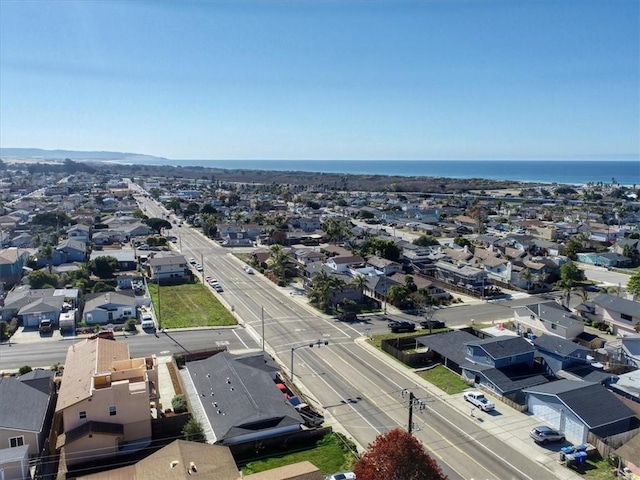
(242, 341)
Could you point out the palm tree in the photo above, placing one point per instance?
(322, 287)
(360, 281)
(277, 261)
(526, 276)
(47, 252)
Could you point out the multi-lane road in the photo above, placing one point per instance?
(361, 391)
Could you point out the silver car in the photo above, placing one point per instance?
(544, 435)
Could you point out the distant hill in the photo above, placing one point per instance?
(38, 153)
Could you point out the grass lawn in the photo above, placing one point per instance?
(189, 305)
(444, 379)
(330, 455)
(376, 340)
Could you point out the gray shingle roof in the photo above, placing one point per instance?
(554, 313)
(501, 347)
(24, 406)
(591, 402)
(243, 393)
(449, 345)
(560, 346)
(618, 304)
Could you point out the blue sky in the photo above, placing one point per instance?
(323, 80)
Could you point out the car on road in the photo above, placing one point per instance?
(479, 400)
(248, 269)
(199, 267)
(544, 435)
(401, 326)
(192, 261)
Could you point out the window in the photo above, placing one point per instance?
(626, 317)
(16, 441)
(82, 415)
(112, 410)
(469, 351)
(126, 312)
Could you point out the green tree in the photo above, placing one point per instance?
(130, 325)
(633, 285)
(174, 204)
(100, 287)
(42, 279)
(24, 369)
(157, 224)
(104, 266)
(426, 241)
(570, 277)
(193, 431)
(397, 455)
(47, 252)
(360, 281)
(322, 287)
(277, 261)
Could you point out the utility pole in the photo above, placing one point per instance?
(262, 317)
(412, 400)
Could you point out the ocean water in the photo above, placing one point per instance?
(573, 172)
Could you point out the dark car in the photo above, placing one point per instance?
(544, 435)
(432, 324)
(348, 317)
(402, 327)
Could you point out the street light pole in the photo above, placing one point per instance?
(317, 343)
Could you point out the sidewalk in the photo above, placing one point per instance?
(510, 426)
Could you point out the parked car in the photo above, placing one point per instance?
(401, 327)
(199, 267)
(192, 261)
(544, 435)
(248, 269)
(341, 476)
(432, 324)
(45, 326)
(107, 334)
(479, 400)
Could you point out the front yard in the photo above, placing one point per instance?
(331, 454)
(188, 305)
(444, 379)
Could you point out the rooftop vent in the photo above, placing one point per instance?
(174, 464)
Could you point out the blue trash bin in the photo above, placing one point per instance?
(581, 457)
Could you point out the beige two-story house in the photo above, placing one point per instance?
(105, 400)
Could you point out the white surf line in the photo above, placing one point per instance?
(445, 419)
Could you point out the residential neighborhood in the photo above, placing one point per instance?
(87, 251)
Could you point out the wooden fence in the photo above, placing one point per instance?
(396, 348)
(606, 446)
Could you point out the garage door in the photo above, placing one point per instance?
(544, 412)
(574, 430)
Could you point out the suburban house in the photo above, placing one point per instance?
(604, 259)
(578, 407)
(69, 251)
(548, 318)
(32, 305)
(12, 260)
(169, 267)
(560, 354)
(236, 398)
(79, 232)
(109, 307)
(126, 257)
(629, 454)
(503, 365)
(104, 400)
(25, 418)
(621, 314)
(461, 275)
(386, 267)
(342, 263)
(181, 460)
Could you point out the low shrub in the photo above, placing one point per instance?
(179, 404)
(130, 325)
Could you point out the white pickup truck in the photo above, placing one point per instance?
(479, 400)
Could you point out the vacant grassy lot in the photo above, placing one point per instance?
(376, 340)
(444, 379)
(189, 305)
(330, 455)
